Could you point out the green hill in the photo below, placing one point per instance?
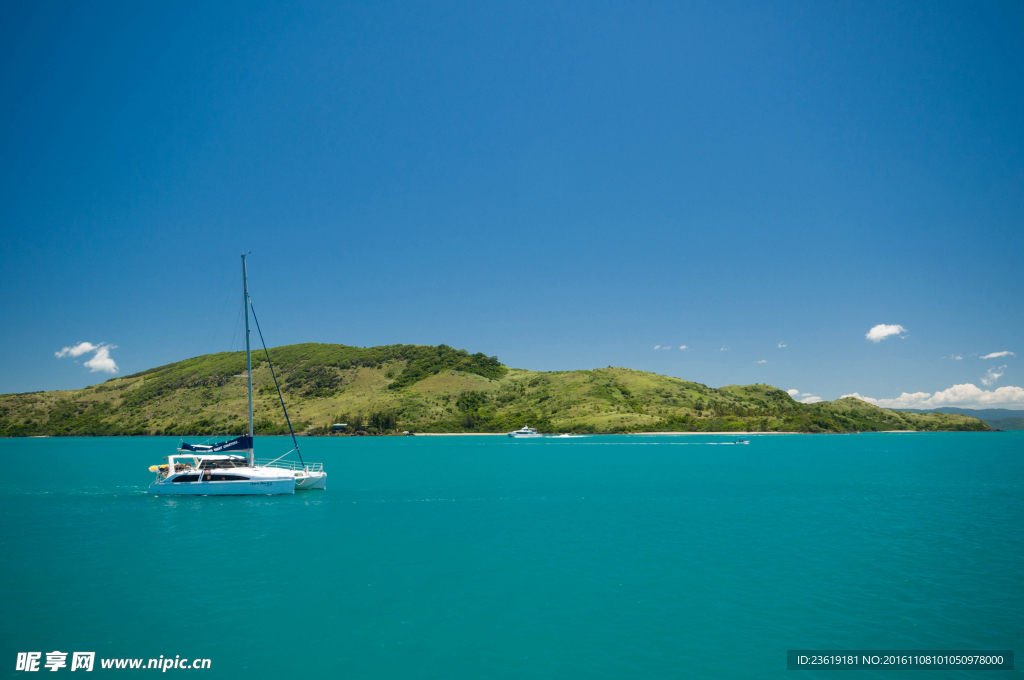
(429, 389)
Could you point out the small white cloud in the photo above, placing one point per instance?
(657, 347)
(882, 331)
(957, 395)
(723, 348)
(77, 350)
(956, 357)
(992, 375)
(781, 345)
(811, 400)
(762, 361)
(792, 393)
(996, 355)
(682, 347)
(101, 360)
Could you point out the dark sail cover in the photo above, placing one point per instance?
(237, 444)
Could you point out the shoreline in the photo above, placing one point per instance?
(599, 434)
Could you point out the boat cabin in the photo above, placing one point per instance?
(193, 462)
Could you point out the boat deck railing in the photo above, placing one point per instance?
(289, 465)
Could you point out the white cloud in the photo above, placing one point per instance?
(957, 395)
(882, 331)
(792, 393)
(657, 347)
(101, 360)
(992, 375)
(996, 355)
(77, 350)
(723, 348)
(762, 361)
(781, 345)
(956, 357)
(682, 347)
(811, 400)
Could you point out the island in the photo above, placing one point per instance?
(430, 389)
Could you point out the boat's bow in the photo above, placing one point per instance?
(304, 481)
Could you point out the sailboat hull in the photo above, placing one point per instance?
(268, 487)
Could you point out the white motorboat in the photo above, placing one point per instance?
(229, 468)
(524, 433)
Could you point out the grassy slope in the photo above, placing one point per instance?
(429, 389)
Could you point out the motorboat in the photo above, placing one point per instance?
(742, 440)
(524, 433)
(230, 468)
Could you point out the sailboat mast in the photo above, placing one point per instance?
(248, 353)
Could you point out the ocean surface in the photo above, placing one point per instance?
(485, 557)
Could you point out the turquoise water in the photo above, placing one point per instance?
(484, 557)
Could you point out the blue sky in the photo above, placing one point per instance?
(561, 185)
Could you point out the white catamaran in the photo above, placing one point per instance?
(230, 468)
